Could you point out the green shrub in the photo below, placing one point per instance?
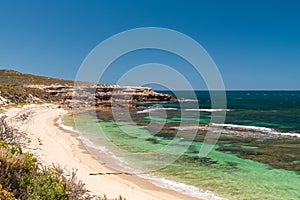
(4, 194)
(20, 174)
(22, 177)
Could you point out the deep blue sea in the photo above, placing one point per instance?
(274, 109)
(256, 156)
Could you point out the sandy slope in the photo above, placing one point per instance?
(55, 145)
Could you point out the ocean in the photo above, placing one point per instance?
(256, 156)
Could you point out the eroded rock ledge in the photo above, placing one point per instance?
(18, 88)
(85, 95)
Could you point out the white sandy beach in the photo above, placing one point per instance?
(51, 144)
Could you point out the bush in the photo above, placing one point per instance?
(22, 177)
(21, 174)
(4, 194)
(7, 132)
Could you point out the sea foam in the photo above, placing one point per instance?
(207, 110)
(188, 100)
(87, 141)
(189, 128)
(181, 187)
(264, 130)
(68, 128)
(153, 109)
(235, 127)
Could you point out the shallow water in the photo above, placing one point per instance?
(259, 166)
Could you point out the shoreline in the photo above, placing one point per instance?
(52, 144)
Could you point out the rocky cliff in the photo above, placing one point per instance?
(18, 88)
(103, 95)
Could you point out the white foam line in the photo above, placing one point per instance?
(207, 110)
(253, 128)
(182, 188)
(68, 128)
(235, 127)
(188, 100)
(257, 129)
(189, 128)
(153, 109)
(87, 141)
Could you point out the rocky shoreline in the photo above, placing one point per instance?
(19, 88)
(107, 95)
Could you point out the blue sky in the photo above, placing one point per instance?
(255, 44)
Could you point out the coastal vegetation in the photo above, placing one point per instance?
(22, 176)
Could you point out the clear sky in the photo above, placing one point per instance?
(255, 44)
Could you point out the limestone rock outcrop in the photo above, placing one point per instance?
(104, 95)
(18, 88)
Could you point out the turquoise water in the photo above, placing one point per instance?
(264, 166)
